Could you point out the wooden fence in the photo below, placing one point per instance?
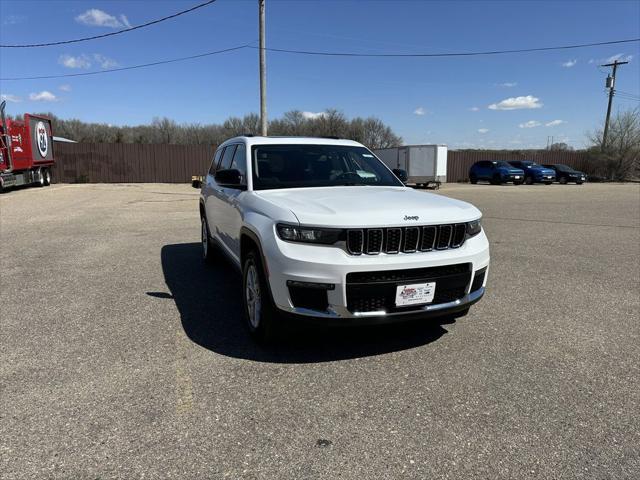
(161, 163)
(129, 162)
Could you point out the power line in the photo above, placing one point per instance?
(95, 37)
(152, 64)
(301, 52)
(454, 54)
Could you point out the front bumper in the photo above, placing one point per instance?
(544, 178)
(513, 178)
(315, 264)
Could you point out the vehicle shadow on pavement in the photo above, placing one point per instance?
(209, 301)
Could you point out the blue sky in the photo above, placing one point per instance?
(443, 100)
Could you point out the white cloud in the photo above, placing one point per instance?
(43, 96)
(621, 57)
(530, 124)
(553, 123)
(474, 109)
(507, 84)
(10, 98)
(570, 63)
(13, 19)
(483, 130)
(420, 111)
(516, 103)
(86, 61)
(99, 18)
(313, 115)
(125, 20)
(65, 88)
(105, 62)
(69, 61)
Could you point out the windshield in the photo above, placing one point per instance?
(503, 164)
(298, 166)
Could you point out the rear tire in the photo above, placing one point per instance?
(259, 310)
(46, 174)
(40, 179)
(473, 179)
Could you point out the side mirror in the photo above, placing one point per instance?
(401, 174)
(231, 178)
(196, 182)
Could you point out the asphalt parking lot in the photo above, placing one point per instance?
(123, 356)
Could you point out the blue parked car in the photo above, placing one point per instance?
(534, 173)
(496, 172)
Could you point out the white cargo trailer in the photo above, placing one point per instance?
(426, 165)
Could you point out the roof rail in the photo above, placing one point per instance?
(332, 137)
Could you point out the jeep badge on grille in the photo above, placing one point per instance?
(412, 217)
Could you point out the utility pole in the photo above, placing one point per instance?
(610, 84)
(263, 73)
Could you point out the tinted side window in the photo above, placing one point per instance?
(214, 163)
(240, 160)
(227, 157)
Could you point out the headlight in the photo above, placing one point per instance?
(295, 233)
(473, 228)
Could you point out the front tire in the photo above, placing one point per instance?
(208, 254)
(473, 179)
(259, 311)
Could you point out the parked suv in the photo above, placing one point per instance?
(321, 228)
(566, 174)
(534, 173)
(496, 172)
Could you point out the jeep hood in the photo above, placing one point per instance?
(369, 206)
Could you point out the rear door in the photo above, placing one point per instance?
(214, 195)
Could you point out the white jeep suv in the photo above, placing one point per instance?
(321, 228)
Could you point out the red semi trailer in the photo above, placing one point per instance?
(26, 150)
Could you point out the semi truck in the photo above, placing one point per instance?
(26, 150)
(426, 165)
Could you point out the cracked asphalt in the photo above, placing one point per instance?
(123, 356)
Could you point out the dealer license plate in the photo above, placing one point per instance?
(415, 294)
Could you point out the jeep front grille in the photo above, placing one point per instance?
(372, 241)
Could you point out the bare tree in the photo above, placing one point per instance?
(620, 158)
(560, 146)
(369, 131)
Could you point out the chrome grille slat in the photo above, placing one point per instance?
(428, 238)
(374, 241)
(355, 241)
(411, 238)
(393, 240)
(444, 237)
(459, 231)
